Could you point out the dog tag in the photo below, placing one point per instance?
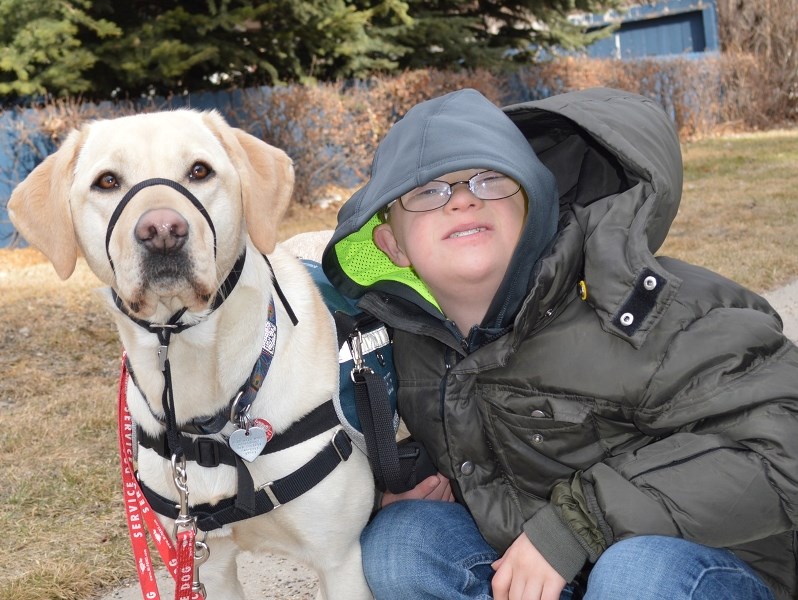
(248, 443)
(266, 426)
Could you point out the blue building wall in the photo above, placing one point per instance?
(673, 27)
(19, 154)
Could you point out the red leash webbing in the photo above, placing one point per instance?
(141, 519)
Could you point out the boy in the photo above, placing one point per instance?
(596, 413)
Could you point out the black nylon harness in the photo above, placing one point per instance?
(207, 452)
(211, 452)
(250, 502)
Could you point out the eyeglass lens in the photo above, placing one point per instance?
(486, 185)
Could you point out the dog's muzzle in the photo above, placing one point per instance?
(145, 184)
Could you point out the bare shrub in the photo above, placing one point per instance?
(688, 90)
(57, 118)
(762, 34)
(391, 97)
(331, 130)
(741, 88)
(315, 126)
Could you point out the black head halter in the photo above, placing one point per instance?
(145, 184)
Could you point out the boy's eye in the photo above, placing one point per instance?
(489, 176)
(106, 181)
(433, 188)
(429, 191)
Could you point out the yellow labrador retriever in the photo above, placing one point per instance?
(231, 352)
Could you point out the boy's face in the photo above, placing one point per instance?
(466, 241)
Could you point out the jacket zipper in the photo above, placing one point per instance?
(448, 355)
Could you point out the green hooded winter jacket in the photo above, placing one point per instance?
(609, 393)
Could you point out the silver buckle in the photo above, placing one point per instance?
(334, 445)
(267, 487)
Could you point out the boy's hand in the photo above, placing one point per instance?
(523, 574)
(434, 487)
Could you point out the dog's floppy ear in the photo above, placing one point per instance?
(267, 180)
(39, 207)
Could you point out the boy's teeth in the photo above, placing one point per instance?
(467, 232)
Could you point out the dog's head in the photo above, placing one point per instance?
(109, 193)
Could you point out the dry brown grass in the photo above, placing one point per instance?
(59, 502)
(61, 517)
(739, 212)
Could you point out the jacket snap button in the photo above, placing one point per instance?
(537, 438)
(627, 319)
(538, 414)
(467, 468)
(650, 283)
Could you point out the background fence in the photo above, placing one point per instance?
(331, 129)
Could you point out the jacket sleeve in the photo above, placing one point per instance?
(723, 469)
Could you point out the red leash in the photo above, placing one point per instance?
(141, 519)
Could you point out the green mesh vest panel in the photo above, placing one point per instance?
(365, 264)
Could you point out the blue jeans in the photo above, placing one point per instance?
(420, 549)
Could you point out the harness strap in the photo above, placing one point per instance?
(207, 425)
(267, 497)
(221, 294)
(281, 294)
(374, 411)
(209, 452)
(198, 425)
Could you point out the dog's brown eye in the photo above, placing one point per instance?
(199, 171)
(106, 181)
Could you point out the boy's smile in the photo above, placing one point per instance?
(463, 232)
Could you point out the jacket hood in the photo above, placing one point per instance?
(457, 131)
(616, 162)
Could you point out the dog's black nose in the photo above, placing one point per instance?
(162, 230)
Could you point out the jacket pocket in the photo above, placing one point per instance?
(539, 439)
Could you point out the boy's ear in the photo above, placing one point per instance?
(385, 240)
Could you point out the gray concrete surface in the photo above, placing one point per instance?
(277, 578)
(263, 577)
(785, 301)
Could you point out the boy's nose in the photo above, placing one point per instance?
(462, 197)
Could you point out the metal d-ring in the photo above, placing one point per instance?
(240, 417)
